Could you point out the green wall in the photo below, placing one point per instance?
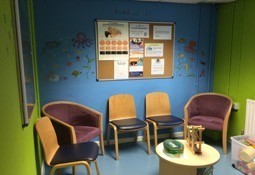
(234, 58)
(17, 150)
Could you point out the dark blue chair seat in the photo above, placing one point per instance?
(167, 120)
(129, 124)
(76, 152)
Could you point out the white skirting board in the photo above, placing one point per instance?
(140, 138)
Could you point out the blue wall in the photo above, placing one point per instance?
(68, 72)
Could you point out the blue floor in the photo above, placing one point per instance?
(134, 160)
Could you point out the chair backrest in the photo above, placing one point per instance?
(121, 106)
(157, 103)
(209, 104)
(68, 112)
(59, 110)
(48, 138)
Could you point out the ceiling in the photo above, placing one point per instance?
(192, 1)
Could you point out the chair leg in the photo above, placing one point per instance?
(144, 136)
(52, 171)
(97, 169)
(60, 166)
(184, 130)
(108, 134)
(148, 139)
(87, 166)
(183, 137)
(136, 136)
(56, 169)
(74, 170)
(224, 141)
(116, 142)
(102, 143)
(59, 172)
(155, 135)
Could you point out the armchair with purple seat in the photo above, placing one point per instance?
(210, 110)
(75, 123)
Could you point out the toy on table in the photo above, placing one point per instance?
(194, 138)
(173, 148)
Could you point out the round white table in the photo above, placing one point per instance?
(188, 163)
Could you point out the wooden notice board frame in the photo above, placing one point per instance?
(134, 49)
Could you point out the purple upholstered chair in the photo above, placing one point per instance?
(74, 123)
(210, 110)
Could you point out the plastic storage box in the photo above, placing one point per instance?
(238, 145)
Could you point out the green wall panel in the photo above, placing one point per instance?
(17, 150)
(223, 54)
(247, 82)
(234, 61)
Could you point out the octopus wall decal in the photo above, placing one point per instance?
(81, 40)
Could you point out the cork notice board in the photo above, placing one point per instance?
(134, 50)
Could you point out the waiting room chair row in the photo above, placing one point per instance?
(76, 123)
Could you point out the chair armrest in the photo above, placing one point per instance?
(226, 118)
(65, 132)
(188, 113)
(189, 110)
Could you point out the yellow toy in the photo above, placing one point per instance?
(194, 138)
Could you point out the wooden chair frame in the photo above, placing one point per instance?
(73, 164)
(129, 115)
(164, 108)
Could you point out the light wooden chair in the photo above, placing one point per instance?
(122, 118)
(158, 113)
(210, 110)
(67, 155)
